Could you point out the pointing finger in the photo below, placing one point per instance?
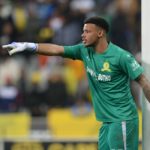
(9, 46)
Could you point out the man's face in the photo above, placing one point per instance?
(91, 34)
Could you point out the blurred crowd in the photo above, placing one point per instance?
(38, 83)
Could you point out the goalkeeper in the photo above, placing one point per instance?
(109, 69)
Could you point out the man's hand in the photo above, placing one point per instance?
(145, 85)
(16, 47)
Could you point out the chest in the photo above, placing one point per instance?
(102, 67)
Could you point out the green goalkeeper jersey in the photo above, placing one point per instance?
(108, 75)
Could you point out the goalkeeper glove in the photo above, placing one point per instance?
(16, 47)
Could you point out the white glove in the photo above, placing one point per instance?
(16, 47)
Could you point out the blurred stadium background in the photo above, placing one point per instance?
(45, 102)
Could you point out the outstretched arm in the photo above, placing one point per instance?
(50, 49)
(39, 48)
(145, 84)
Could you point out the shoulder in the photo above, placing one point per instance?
(120, 51)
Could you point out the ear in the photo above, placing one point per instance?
(100, 33)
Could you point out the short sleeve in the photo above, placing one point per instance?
(73, 52)
(130, 66)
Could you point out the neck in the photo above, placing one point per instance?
(101, 46)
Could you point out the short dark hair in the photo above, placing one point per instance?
(99, 21)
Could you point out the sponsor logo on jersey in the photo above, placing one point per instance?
(135, 65)
(106, 67)
(99, 77)
(91, 72)
(103, 77)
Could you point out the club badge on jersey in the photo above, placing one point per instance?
(106, 67)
